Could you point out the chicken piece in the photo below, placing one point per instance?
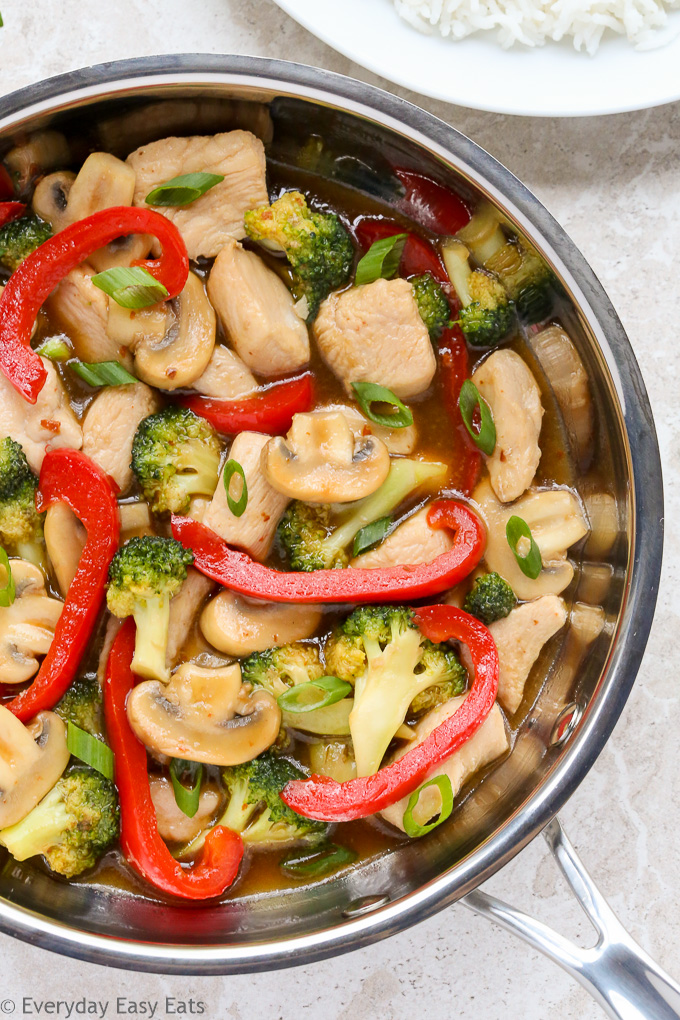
(512, 393)
(82, 311)
(110, 425)
(488, 743)
(173, 825)
(519, 638)
(225, 377)
(135, 521)
(113, 625)
(374, 333)
(184, 609)
(254, 530)
(209, 222)
(257, 312)
(398, 441)
(413, 542)
(48, 424)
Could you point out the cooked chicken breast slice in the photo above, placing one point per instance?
(226, 376)
(82, 311)
(512, 393)
(184, 608)
(374, 333)
(488, 743)
(209, 222)
(173, 824)
(397, 441)
(48, 424)
(257, 312)
(413, 542)
(254, 529)
(109, 427)
(519, 638)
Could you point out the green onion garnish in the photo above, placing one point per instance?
(237, 506)
(314, 694)
(368, 393)
(9, 592)
(55, 349)
(411, 827)
(102, 373)
(381, 260)
(183, 190)
(469, 400)
(530, 562)
(187, 797)
(89, 749)
(316, 861)
(131, 288)
(371, 535)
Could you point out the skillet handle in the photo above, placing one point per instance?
(617, 972)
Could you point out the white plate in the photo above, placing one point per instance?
(549, 81)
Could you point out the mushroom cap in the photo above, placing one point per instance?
(321, 461)
(32, 759)
(205, 715)
(27, 626)
(239, 626)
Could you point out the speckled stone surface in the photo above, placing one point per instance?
(612, 182)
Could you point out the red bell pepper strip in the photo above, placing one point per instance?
(11, 211)
(69, 476)
(270, 411)
(455, 369)
(324, 798)
(140, 841)
(431, 205)
(237, 571)
(418, 255)
(37, 276)
(6, 186)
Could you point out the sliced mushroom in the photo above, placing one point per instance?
(132, 326)
(183, 354)
(184, 608)
(27, 626)
(135, 520)
(204, 715)
(45, 150)
(173, 825)
(320, 461)
(81, 310)
(65, 539)
(397, 441)
(239, 626)
(556, 521)
(32, 758)
(562, 364)
(50, 199)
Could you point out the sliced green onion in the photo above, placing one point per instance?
(55, 349)
(183, 190)
(314, 694)
(316, 861)
(530, 563)
(469, 400)
(381, 260)
(131, 287)
(9, 592)
(371, 535)
(102, 373)
(187, 797)
(89, 749)
(411, 827)
(237, 506)
(368, 393)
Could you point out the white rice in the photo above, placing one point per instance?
(535, 22)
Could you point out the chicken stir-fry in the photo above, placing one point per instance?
(244, 537)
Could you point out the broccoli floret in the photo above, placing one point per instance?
(255, 808)
(314, 537)
(143, 577)
(526, 278)
(490, 598)
(381, 651)
(175, 455)
(21, 525)
(432, 303)
(19, 238)
(82, 705)
(317, 246)
(486, 314)
(277, 669)
(72, 827)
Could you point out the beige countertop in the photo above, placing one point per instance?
(613, 184)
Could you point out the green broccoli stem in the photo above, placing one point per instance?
(34, 552)
(198, 466)
(238, 813)
(152, 618)
(405, 476)
(40, 830)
